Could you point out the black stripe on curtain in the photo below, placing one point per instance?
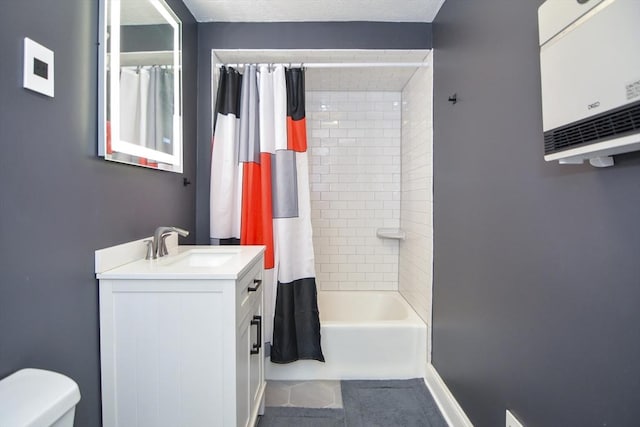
(296, 324)
(232, 241)
(228, 94)
(295, 93)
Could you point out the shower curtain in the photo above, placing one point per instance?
(146, 107)
(260, 195)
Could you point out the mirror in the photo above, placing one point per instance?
(141, 84)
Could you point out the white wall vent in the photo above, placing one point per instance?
(590, 74)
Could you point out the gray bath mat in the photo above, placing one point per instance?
(302, 417)
(391, 403)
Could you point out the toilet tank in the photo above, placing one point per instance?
(37, 398)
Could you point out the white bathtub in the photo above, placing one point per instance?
(365, 335)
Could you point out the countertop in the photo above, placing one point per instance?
(175, 265)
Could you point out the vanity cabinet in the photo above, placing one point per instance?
(182, 347)
(249, 349)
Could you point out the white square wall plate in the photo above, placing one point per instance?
(38, 68)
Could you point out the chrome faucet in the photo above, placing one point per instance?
(159, 244)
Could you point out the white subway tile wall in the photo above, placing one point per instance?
(416, 211)
(355, 175)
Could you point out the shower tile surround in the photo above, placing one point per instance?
(355, 175)
(371, 167)
(416, 208)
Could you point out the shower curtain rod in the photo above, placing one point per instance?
(335, 64)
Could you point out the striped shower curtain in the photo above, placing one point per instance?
(260, 195)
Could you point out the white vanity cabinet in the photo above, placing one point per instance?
(249, 349)
(181, 340)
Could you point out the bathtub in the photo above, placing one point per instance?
(365, 335)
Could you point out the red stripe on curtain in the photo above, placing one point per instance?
(146, 162)
(297, 134)
(109, 149)
(267, 210)
(257, 218)
(251, 232)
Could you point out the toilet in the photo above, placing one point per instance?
(38, 398)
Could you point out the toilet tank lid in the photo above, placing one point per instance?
(36, 398)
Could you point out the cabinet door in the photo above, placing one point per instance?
(159, 348)
(256, 363)
(243, 344)
(250, 353)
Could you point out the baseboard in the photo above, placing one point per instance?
(451, 410)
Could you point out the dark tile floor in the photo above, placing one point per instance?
(388, 403)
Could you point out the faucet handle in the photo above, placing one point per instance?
(149, 244)
(162, 250)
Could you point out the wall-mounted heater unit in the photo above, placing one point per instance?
(590, 72)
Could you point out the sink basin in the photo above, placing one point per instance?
(202, 258)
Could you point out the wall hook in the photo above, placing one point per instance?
(453, 98)
(185, 181)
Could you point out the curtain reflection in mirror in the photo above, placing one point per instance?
(146, 109)
(146, 106)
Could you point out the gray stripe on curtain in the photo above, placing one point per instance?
(164, 112)
(159, 123)
(284, 184)
(249, 117)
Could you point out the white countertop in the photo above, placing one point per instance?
(236, 260)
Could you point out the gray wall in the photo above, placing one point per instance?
(283, 35)
(143, 38)
(60, 202)
(537, 265)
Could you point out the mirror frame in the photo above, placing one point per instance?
(109, 56)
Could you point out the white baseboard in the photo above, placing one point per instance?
(451, 410)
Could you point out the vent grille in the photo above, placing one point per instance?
(608, 125)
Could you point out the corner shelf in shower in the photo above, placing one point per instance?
(391, 233)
